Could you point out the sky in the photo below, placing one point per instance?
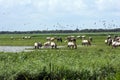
(29, 15)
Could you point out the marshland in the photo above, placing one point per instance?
(95, 62)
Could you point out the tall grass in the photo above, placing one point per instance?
(62, 64)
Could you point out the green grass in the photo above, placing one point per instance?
(5, 39)
(64, 64)
(98, 62)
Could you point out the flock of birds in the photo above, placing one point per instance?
(103, 23)
(107, 24)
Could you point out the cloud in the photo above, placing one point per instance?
(108, 5)
(47, 5)
(55, 10)
(67, 5)
(63, 5)
(13, 3)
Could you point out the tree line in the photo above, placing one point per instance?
(61, 31)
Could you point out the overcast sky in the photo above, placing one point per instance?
(23, 15)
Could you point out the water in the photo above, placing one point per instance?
(23, 48)
(18, 48)
(14, 48)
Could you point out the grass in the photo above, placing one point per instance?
(5, 39)
(98, 62)
(83, 63)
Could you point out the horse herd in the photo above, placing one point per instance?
(51, 42)
(23, 38)
(70, 40)
(114, 42)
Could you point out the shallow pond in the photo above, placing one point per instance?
(14, 48)
(24, 48)
(19, 48)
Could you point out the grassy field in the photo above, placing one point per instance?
(5, 39)
(98, 62)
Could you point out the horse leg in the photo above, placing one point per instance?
(38, 47)
(35, 47)
(68, 46)
(75, 46)
(55, 46)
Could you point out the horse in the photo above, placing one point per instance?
(37, 45)
(59, 39)
(86, 42)
(72, 45)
